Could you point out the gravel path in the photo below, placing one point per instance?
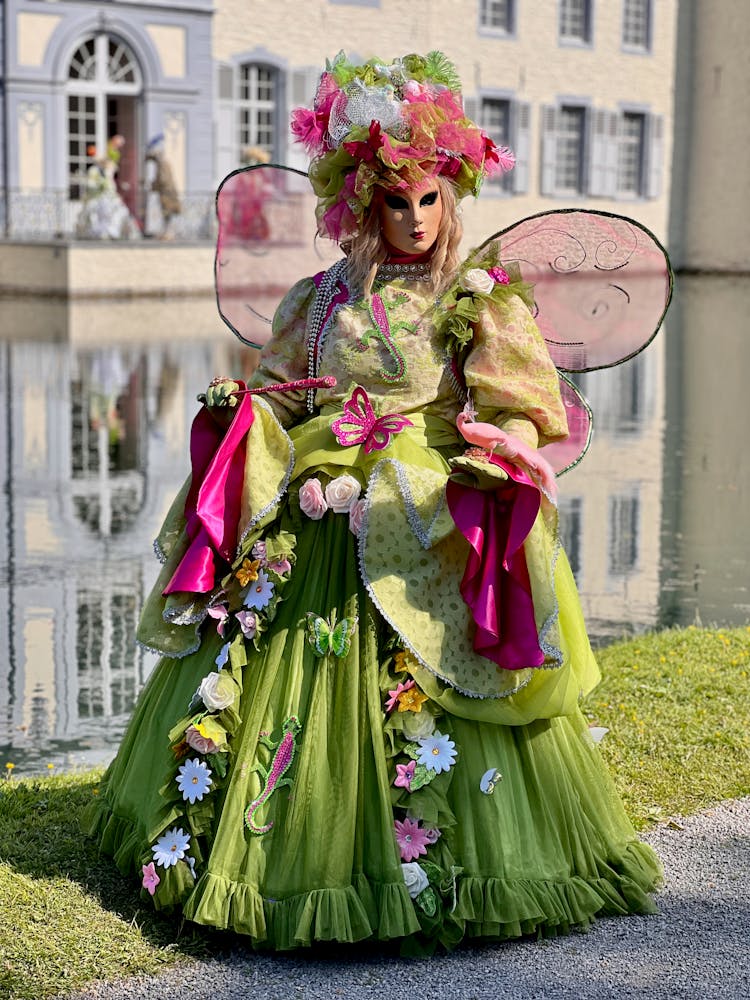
(697, 947)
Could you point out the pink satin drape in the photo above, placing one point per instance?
(213, 505)
(495, 584)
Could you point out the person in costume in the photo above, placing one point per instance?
(163, 184)
(104, 215)
(246, 220)
(366, 722)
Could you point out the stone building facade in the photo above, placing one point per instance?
(581, 89)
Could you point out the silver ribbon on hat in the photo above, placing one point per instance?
(361, 105)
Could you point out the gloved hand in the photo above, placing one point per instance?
(219, 393)
(510, 447)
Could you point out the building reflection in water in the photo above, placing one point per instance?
(95, 445)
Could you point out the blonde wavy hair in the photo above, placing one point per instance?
(366, 251)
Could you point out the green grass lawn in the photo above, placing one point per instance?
(677, 705)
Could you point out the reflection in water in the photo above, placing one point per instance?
(96, 445)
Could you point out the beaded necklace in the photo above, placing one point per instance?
(416, 271)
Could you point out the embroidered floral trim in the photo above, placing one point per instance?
(431, 886)
(248, 571)
(259, 593)
(206, 730)
(411, 700)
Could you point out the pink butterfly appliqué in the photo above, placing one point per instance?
(359, 425)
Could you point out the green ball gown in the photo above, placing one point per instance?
(321, 754)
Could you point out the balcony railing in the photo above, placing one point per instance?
(41, 215)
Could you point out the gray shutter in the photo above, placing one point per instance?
(549, 150)
(522, 147)
(227, 152)
(654, 155)
(604, 151)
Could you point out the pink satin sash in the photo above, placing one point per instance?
(213, 505)
(495, 584)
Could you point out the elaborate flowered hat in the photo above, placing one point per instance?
(389, 125)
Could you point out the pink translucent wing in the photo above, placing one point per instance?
(563, 455)
(265, 241)
(602, 283)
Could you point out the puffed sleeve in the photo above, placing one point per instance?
(284, 358)
(511, 377)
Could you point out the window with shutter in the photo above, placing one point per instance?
(521, 145)
(603, 163)
(549, 150)
(571, 533)
(631, 155)
(655, 155)
(258, 106)
(570, 138)
(495, 119)
(622, 547)
(636, 25)
(575, 21)
(496, 16)
(227, 151)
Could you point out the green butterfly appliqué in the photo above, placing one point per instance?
(329, 636)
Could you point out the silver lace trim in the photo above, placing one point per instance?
(168, 656)
(415, 521)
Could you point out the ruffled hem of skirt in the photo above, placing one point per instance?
(361, 911)
(486, 908)
(510, 908)
(119, 838)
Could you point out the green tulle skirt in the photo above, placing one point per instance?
(523, 834)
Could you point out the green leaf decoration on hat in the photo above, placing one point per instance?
(439, 69)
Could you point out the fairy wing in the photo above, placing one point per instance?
(602, 284)
(265, 240)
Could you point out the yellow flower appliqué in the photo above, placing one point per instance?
(411, 700)
(248, 571)
(403, 662)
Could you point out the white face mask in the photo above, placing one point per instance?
(410, 219)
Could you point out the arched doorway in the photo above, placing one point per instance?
(103, 96)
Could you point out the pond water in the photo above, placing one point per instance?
(95, 444)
